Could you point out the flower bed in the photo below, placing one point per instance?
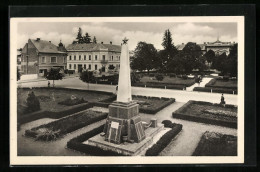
(216, 144)
(216, 90)
(149, 105)
(65, 125)
(199, 111)
(50, 99)
(76, 144)
(158, 147)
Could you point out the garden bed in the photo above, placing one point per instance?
(77, 144)
(216, 144)
(52, 102)
(208, 113)
(162, 143)
(61, 127)
(221, 83)
(149, 105)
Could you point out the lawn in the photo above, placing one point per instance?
(216, 144)
(210, 113)
(219, 83)
(58, 128)
(149, 105)
(169, 80)
(50, 98)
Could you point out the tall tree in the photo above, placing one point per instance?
(94, 40)
(210, 56)
(79, 36)
(219, 63)
(231, 62)
(145, 57)
(86, 38)
(54, 74)
(167, 54)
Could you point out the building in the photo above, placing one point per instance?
(218, 47)
(93, 57)
(39, 56)
(19, 59)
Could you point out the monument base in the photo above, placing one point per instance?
(127, 148)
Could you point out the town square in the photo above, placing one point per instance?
(127, 89)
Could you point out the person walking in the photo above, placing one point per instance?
(48, 83)
(222, 101)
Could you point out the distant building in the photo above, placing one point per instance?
(218, 47)
(93, 57)
(19, 59)
(39, 56)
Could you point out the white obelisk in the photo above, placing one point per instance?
(124, 83)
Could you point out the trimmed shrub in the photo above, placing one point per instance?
(184, 77)
(157, 148)
(159, 77)
(33, 103)
(215, 90)
(167, 123)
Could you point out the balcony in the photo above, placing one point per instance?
(104, 61)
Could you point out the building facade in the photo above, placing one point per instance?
(94, 57)
(39, 56)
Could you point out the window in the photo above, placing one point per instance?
(74, 66)
(70, 66)
(89, 66)
(84, 66)
(53, 59)
(95, 57)
(79, 57)
(95, 67)
(64, 59)
(118, 57)
(103, 57)
(112, 58)
(70, 57)
(85, 57)
(89, 57)
(74, 57)
(43, 60)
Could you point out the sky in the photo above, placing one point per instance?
(134, 31)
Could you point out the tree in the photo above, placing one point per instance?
(111, 67)
(87, 76)
(54, 74)
(18, 74)
(79, 36)
(159, 77)
(167, 54)
(145, 57)
(134, 77)
(94, 40)
(219, 63)
(210, 56)
(86, 38)
(231, 62)
(32, 102)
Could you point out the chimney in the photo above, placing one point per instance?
(111, 42)
(38, 39)
(101, 42)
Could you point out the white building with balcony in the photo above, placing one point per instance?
(93, 57)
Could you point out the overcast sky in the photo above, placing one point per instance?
(135, 32)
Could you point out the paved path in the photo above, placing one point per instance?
(179, 95)
(204, 81)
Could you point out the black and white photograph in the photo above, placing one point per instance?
(127, 90)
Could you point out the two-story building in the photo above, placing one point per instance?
(39, 56)
(93, 56)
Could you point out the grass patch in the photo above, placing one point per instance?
(209, 113)
(58, 128)
(55, 102)
(220, 83)
(169, 81)
(148, 105)
(216, 144)
(216, 90)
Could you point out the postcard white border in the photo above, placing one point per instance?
(84, 160)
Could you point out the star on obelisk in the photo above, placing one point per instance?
(125, 40)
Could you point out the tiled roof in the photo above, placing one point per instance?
(93, 47)
(46, 46)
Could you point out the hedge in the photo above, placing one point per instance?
(160, 85)
(215, 90)
(33, 132)
(76, 144)
(211, 83)
(180, 115)
(158, 147)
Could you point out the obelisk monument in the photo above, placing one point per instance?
(123, 121)
(124, 83)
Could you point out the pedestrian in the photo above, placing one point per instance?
(48, 83)
(222, 101)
